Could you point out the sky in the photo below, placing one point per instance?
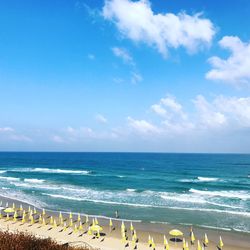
(125, 75)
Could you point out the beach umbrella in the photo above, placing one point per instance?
(31, 220)
(9, 210)
(153, 243)
(54, 223)
(61, 221)
(89, 231)
(183, 243)
(40, 219)
(186, 247)
(93, 222)
(60, 215)
(110, 223)
(176, 233)
(1, 215)
(206, 241)
(44, 222)
(13, 205)
(70, 215)
(98, 234)
(221, 244)
(21, 207)
(34, 210)
(80, 225)
(29, 209)
(75, 229)
(149, 240)
(64, 226)
(51, 220)
(131, 227)
(71, 222)
(135, 235)
(124, 239)
(96, 228)
(79, 217)
(198, 245)
(44, 213)
(15, 216)
(96, 221)
(87, 219)
(192, 237)
(123, 226)
(166, 245)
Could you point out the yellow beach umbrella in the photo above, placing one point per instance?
(75, 229)
(89, 231)
(31, 220)
(122, 226)
(13, 206)
(15, 216)
(198, 245)
(40, 219)
(124, 239)
(96, 221)
(98, 234)
(149, 240)
(23, 218)
(21, 207)
(176, 233)
(87, 219)
(70, 215)
(221, 244)
(135, 235)
(192, 237)
(153, 243)
(60, 215)
(131, 227)
(80, 225)
(206, 241)
(110, 223)
(9, 210)
(64, 226)
(186, 247)
(71, 222)
(96, 228)
(54, 223)
(44, 222)
(166, 245)
(183, 243)
(79, 217)
(29, 209)
(51, 220)
(34, 210)
(44, 213)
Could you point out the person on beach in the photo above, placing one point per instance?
(116, 214)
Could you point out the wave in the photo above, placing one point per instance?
(207, 179)
(9, 178)
(243, 195)
(2, 171)
(183, 198)
(131, 190)
(34, 180)
(52, 171)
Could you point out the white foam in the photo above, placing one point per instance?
(183, 198)
(9, 178)
(244, 195)
(2, 171)
(53, 171)
(131, 189)
(207, 179)
(34, 180)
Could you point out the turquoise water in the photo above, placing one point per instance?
(209, 190)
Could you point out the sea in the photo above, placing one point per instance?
(205, 190)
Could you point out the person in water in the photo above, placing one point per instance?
(116, 214)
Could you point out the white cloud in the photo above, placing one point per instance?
(159, 110)
(6, 129)
(123, 54)
(57, 139)
(136, 78)
(142, 126)
(18, 137)
(209, 115)
(236, 68)
(137, 21)
(101, 119)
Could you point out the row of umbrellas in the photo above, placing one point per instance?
(95, 228)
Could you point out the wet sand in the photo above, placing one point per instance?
(111, 240)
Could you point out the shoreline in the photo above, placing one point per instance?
(232, 239)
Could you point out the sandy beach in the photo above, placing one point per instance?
(111, 240)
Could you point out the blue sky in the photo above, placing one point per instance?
(122, 75)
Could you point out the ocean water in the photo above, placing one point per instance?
(209, 190)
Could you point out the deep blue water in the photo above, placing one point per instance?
(211, 190)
